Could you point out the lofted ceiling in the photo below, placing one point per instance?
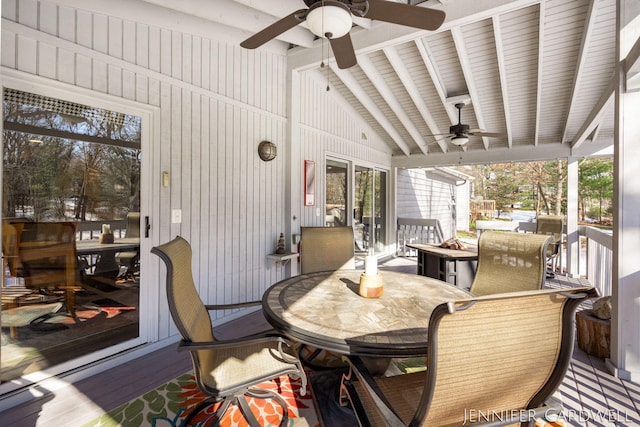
(540, 73)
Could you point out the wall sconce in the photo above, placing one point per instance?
(267, 151)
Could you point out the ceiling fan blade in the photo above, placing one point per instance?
(440, 134)
(404, 14)
(274, 30)
(479, 132)
(343, 51)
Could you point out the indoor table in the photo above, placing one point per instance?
(325, 310)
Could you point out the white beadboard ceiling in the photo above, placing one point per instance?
(539, 72)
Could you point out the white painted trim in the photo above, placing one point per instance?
(495, 155)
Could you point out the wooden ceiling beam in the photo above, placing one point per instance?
(354, 86)
(405, 77)
(392, 101)
(502, 69)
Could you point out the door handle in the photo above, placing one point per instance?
(147, 226)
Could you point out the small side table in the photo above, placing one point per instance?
(283, 259)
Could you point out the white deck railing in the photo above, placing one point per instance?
(595, 255)
(87, 230)
(596, 258)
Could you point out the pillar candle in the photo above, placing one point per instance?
(370, 265)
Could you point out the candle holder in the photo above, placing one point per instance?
(106, 236)
(371, 286)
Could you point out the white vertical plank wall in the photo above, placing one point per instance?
(419, 195)
(216, 102)
(327, 128)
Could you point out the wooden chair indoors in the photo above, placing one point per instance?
(509, 262)
(227, 371)
(552, 225)
(496, 359)
(326, 248)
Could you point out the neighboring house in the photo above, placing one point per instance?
(435, 193)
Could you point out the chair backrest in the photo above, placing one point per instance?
(498, 353)
(326, 248)
(552, 225)
(47, 253)
(10, 244)
(133, 225)
(509, 262)
(187, 309)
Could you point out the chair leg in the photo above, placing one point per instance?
(241, 402)
(200, 406)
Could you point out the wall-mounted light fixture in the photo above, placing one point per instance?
(267, 151)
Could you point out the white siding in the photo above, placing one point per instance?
(216, 103)
(422, 195)
(462, 206)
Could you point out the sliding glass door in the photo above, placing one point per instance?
(337, 176)
(370, 207)
(361, 191)
(71, 232)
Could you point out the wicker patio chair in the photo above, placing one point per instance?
(326, 248)
(552, 225)
(226, 370)
(509, 262)
(323, 249)
(495, 358)
(47, 255)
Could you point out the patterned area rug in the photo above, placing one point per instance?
(170, 403)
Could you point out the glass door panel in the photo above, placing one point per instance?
(337, 174)
(363, 207)
(380, 209)
(71, 187)
(370, 207)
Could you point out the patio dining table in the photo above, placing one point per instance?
(325, 310)
(105, 253)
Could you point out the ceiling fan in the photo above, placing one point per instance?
(459, 133)
(332, 19)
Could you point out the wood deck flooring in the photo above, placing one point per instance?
(591, 396)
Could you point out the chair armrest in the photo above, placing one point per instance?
(232, 306)
(376, 395)
(235, 342)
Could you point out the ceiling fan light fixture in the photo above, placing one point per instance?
(459, 140)
(329, 21)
